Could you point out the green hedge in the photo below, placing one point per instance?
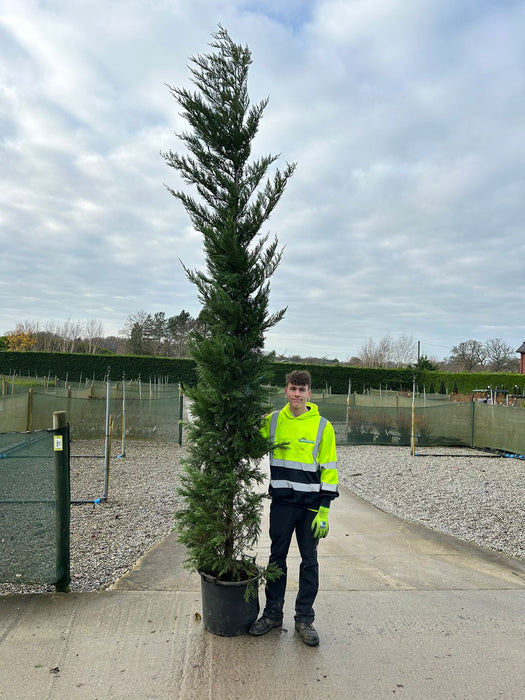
(335, 377)
(467, 382)
(76, 365)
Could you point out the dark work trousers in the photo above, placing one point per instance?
(284, 520)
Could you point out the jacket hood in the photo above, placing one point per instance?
(313, 412)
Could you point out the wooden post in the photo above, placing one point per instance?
(473, 422)
(29, 421)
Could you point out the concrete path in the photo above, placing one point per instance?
(402, 613)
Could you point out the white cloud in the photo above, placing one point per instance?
(404, 215)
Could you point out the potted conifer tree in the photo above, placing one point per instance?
(219, 521)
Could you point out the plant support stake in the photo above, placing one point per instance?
(106, 446)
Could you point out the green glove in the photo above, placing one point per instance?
(320, 523)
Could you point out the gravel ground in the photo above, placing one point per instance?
(108, 538)
(456, 491)
(460, 492)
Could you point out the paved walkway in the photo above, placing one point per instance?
(402, 613)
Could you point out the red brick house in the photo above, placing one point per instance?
(521, 350)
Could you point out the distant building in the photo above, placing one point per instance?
(521, 350)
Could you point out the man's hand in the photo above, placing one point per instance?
(320, 523)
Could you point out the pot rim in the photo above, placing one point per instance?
(213, 579)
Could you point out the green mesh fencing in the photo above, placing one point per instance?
(139, 412)
(152, 410)
(385, 418)
(13, 413)
(34, 507)
(499, 427)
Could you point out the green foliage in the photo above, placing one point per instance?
(220, 517)
(77, 366)
(184, 370)
(338, 377)
(425, 364)
(467, 382)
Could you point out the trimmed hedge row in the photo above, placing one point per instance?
(467, 382)
(335, 377)
(77, 366)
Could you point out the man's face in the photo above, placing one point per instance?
(297, 395)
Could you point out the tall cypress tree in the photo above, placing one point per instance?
(220, 517)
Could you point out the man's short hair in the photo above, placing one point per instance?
(299, 377)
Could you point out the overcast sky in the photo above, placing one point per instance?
(406, 214)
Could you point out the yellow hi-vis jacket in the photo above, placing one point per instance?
(304, 471)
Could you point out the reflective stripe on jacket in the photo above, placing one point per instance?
(303, 461)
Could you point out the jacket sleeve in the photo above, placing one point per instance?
(265, 426)
(327, 459)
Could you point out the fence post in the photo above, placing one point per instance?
(472, 421)
(123, 437)
(413, 430)
(107, 459)
(63, 499)
(29, 421)
(348, 401)
(181, 413)
(107, 447)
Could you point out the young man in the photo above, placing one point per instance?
(303, 483)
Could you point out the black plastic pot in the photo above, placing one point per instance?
(225, 611)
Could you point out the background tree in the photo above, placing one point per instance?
(375, 354)
(20, 339)
(403, 351)
(469, 355)
(389, 352)
(220, 518)
(425, 364)
(68, 335)
(179, 330)
(136, 331)
(93, 335)
(155, 331)
(154, 334)
(500, 356)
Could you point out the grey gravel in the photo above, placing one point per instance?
(456, 491)
(472, 497)
(108, 538)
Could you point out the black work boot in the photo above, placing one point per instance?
(262, 625)
(307, 633)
